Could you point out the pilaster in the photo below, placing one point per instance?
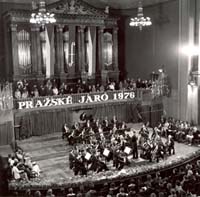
(15, 58)
(100, 49)
(60, 51)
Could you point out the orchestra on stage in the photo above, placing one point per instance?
(101, 145)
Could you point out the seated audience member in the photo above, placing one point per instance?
(139, 83)
(48, 90)
(17, 94)
(18, 174)
(97, 87)
(28, 193)
(37, 194)
(55, 91)
(190, 136)
(111, 86)
(71, 193)
(19, 155)
(102, 88)
(94, 88)
(50, 193)
(20, 84)
(35, 92)
(196, 135)
(42, 91)
(36, 169)
(11, 160)
(66, 89)
(25, 93)
(122, 193)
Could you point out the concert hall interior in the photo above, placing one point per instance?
(100, 98)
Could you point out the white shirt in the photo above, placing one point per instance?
(36, 169)
(16, 173)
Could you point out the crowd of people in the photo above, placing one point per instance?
(182, 131)
(181, 181)
(97, 143)
(24, 89)
(21, 167)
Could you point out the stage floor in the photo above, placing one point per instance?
(51, 153)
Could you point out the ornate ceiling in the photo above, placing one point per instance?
(115, 4)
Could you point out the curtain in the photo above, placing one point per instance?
(42, 122)
(124, 112)
(156, 113)
(6, 133)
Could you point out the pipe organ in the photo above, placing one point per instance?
(82, 44)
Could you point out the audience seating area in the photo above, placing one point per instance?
(179, 181)
(25, 89)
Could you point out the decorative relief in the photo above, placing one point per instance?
(74, 7)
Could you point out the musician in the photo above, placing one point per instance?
(74, 137)
(134, 145)
(65, 131)
(114, 129)
(105, 124)
(119, 159)
(95, 125)
(93, 163)
(101, 165)
(72, 157)
(147, 150)
(165, 128)
(114, 121)
(100, 135)
(83, 119)
(123, 126)
(159, 150)
(87, 135)
(170, 145)
(79, 164)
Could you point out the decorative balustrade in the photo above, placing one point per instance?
(83, 98)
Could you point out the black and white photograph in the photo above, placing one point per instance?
(99, 98)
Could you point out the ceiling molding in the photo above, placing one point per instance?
(114, 4)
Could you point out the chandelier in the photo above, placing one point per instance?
(140, 21)
(42, 17)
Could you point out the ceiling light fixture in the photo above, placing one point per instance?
(140, 21)
(42, 17)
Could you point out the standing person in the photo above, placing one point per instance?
(134, 145)
(170, 145)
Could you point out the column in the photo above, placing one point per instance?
(39, 52)
(115, 49)
(34, 48)
(100, 49)
(60, 50)
(81, 49)
(14, 45)
(185, 63)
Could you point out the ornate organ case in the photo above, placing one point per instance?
(83, 43)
